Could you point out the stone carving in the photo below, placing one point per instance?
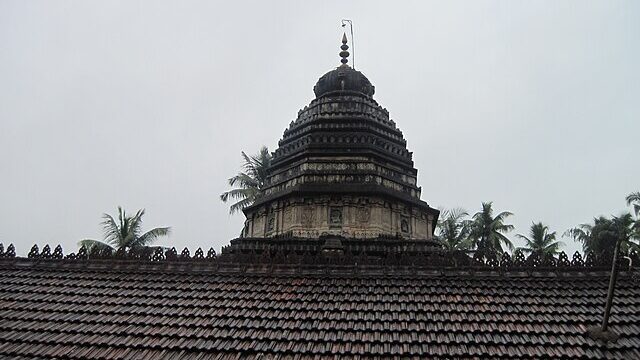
(308, 216)
(288, 216)
(363, 214)
(335, 217)
(404, 225)
(271, 223)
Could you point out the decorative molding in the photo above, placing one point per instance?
(381, 252)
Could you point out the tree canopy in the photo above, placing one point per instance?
(488, 231)
(633, 200)
(249, 182)
(540, 241)
(453, 229)
(125, 233)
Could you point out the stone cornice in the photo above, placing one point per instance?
(328, 189)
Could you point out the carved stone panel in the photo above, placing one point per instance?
(363, 214)
(271, 223)
(404, 224)
(288, 216)
(308, 216)
(351, 216)
(335, 217)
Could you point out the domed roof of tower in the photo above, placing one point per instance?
(343, 78)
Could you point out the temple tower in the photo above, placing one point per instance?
(342, 168)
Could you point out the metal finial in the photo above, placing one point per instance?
(353, 43)
(344, 54)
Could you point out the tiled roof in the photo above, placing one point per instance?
(209, 309)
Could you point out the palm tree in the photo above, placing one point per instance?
(602, 235)
(589, 234)
(625, 228)
(634, 199)
(487, 231)
(124, 234)
(453, 229)
(540, 241)
(250, 182)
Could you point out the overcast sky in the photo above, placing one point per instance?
(147, 104)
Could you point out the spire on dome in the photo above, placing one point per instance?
(344, 54)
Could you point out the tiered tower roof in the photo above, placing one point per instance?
(344, 152)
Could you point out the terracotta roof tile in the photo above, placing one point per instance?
(101, 309)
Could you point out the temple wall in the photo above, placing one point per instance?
(349, 216)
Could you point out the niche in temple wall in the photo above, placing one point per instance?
(335, 217)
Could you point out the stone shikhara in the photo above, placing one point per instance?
(342, 168)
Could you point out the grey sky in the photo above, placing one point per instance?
(533, 105)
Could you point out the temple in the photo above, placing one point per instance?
(342, 168)
(337, 260)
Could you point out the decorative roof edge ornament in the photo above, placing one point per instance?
(339, 254)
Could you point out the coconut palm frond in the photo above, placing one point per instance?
(249, 166)
(604, 233)
(240, 194)
(152, 235)
(553, 248)
(238, 206)
(500, 226)
(91, 244)
(502, 216)
(124, 227)
(111, 230)
(503, 240)
(256, 165)
(488, 231)
(453, 229)
(134, 228)
(540, 240)
(634, 199)
(579, 233)
(124, 233)
(244, 181)
(248, 183)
